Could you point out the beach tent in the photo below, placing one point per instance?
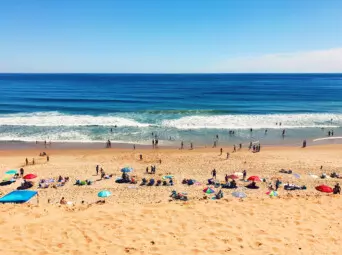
(18, 196)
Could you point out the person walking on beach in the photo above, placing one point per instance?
(214, 173)
(153, 143)
(33, 161)
(141, 157)
(156, 143)
(304, 143)
(221, 150)
(234, 148)
(26, 161)
(47, 158)
(133, 146)
(21, 172)
(214, 146)
(191, 146)
(227, 155)
(240, 146)
(182, 145)
(283, 134)
(45, 143)
(332, 132)
(244, 174)
(97, 169)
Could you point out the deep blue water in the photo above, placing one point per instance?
(189, 107)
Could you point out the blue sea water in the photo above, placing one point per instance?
(189, 107)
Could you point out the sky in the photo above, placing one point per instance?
(170, 36)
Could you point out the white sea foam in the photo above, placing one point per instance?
(50, 119)
(255, 121)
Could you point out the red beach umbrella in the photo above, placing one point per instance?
(233, 176)
(30, 176)
(324, 188)
(254, 178)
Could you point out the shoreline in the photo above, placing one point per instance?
(23, 145)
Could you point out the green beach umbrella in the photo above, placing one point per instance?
(208, 190)
(11, 171)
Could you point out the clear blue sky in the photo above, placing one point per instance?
(159, 35)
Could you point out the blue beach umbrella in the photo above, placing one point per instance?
(11, 171)
(104, 193)
(127, 169)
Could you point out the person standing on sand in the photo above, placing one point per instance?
(33, 161)
(244, 174)
(133, 146)
(182, 145)
(214, 173)
(97, 169)
(141, 157)
(277, 184)
(304, 143)
(227, 155)
(47, 158)
(234, 148)
(221, 150)
(26, 161)
(240, 146)
(191, 146)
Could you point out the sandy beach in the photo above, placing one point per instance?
(144, 220)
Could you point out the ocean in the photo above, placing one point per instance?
(133, 108)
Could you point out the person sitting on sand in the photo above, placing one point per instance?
(219, 195)
(171, 182)
(159, 182)
(60, 178)
(21, 172)
(62, 201)
(337, 189)
(211, 181)
(185, 181)
(143, 181)
(233, 184)
(323, 176)
(151, 182)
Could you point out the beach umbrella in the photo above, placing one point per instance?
(208, 190)
(254, 178)
(7, 178)
(239, 194)
(11, 171)
(127, 169)
(233, 176)
(296, 175)
(324, 188)
(272, 193)
(30, 176)
(104, 193)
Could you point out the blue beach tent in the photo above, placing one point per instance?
(18, 196)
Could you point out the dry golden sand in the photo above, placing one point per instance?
(142, 220)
